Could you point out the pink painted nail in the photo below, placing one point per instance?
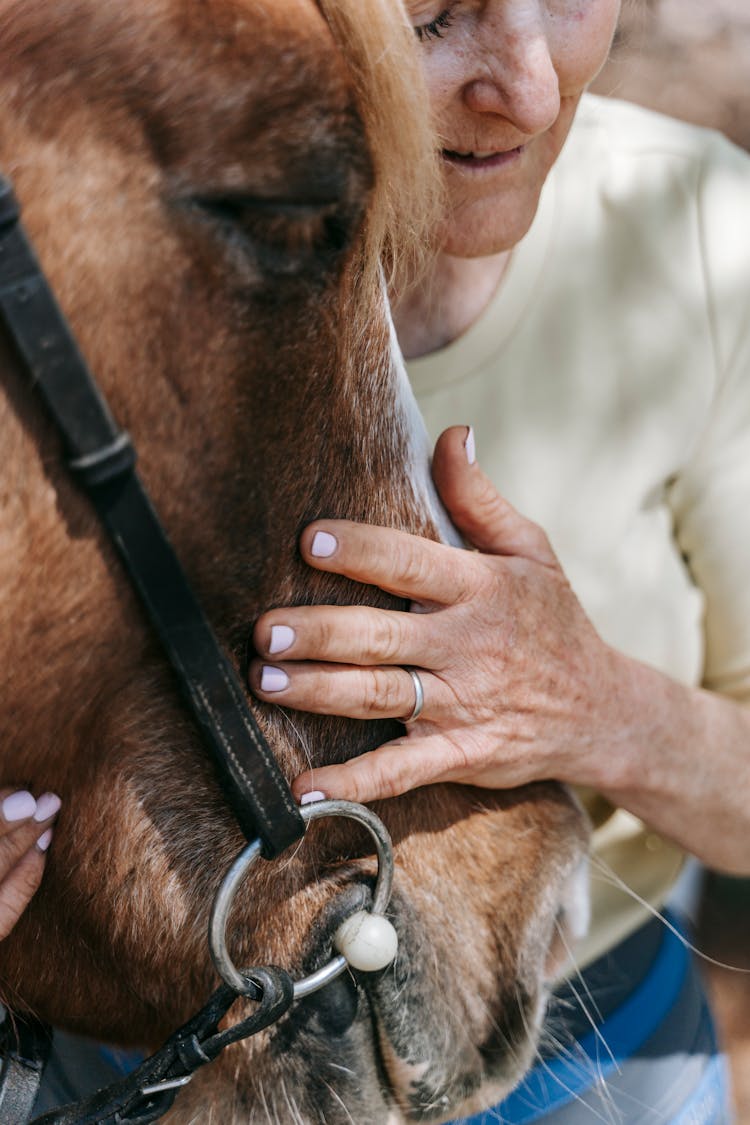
(19, 806)
(47, 805)
(470, 446)
(44, 840)
(282, 638)
(313, 796)
(323, 545)
(273, 679)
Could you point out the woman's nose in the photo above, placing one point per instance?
(518, 81)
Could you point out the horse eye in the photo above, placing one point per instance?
(285, 236)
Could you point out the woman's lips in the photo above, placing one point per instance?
(477, 161)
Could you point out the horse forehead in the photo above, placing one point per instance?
(266, 40)
(31, 24)
(265, 81)
(157, 51)
(259, 81)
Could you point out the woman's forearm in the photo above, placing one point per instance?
(682, 764)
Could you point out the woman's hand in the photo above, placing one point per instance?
(518, 686)
(25, 835)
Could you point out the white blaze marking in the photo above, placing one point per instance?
(577, 902)
(420, 449)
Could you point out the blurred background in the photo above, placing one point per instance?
(691, 59)
(688, 58)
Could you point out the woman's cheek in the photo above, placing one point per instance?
(447, 64)
(582, 32)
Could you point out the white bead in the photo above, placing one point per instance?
(368, 941)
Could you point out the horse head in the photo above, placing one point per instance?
(208, 183)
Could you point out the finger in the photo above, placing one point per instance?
(16, 807)
(342, 689)
(478, 510)
(348, 635)
(402, 564)
(16, 837)
(19, 886)
(390, 770)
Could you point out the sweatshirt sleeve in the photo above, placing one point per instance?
(710, 496)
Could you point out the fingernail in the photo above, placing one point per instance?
(273, 679)
(470, 446)
(323, 545)
(19, 806)
(44, 840)
(312, 796)
(282, 637)
(47, 805)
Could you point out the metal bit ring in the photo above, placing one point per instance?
(225, 896)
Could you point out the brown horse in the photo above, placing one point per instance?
(209, 185)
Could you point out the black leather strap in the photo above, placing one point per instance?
(25, 1045)
(103, 459)
(128, 1100)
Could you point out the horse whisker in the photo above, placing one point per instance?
(614, 879)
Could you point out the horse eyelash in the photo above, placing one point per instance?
(434, 29)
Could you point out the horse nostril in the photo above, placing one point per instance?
(335, 1007)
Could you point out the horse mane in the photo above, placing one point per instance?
(381, 50)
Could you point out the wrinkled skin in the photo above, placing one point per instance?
(229, 348)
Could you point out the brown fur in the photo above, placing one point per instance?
(251, 365)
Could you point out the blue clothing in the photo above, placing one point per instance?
(652, 1057)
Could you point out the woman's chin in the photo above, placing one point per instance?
(488, 226)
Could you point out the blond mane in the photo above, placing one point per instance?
(381, 50)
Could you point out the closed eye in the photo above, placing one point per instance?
(435, 28)
(235, 208)
(286, 237)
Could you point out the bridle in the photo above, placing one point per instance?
(102, 459)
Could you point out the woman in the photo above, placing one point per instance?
(587, 305)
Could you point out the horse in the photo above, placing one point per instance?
(215, 189)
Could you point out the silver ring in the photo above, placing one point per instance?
(416, 710)
(217, 930)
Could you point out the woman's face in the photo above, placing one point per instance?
(505, 77)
